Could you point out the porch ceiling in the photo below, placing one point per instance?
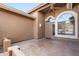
(59, 4)
(52, 7)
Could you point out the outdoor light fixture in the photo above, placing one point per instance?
(40, 25)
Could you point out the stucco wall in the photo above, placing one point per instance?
(35, 24)
(39, 32)
(41, 29)
(76, 9)
(15, 27)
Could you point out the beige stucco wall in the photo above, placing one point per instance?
(39, 32)
(15, 27)
(35, 24)
(76, 9)
(41, 29)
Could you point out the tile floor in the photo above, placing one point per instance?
(49, 47)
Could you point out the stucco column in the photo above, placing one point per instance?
(6, 44)
(35, 25)
(69, 5)
(40, 25)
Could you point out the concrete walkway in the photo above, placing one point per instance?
(48, 47)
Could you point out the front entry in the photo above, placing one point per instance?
(50, 27)
(49, 30)
(53, 29)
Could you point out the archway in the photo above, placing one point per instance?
(49, 26)
(66, 25)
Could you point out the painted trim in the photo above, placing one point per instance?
(76, 25)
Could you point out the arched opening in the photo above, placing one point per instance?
(66, 25)
(49, 27)
(50, 19)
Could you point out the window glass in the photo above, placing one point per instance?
(66, 24)
(50, 19)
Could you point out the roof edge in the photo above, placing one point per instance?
(37, 7)
(4, 6)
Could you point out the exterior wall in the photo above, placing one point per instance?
(35, 24)
(40, 19)
(57, 12)
(76, 9)
(48, 30)
(39, 32)
(14, 26)
(41, 29)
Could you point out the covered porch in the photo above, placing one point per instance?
(55, 20)
(43, 28)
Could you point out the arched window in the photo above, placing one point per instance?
(66, 24)
(50, 19)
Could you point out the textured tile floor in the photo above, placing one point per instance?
(1, 51)
(1, 54)
(49, 47)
